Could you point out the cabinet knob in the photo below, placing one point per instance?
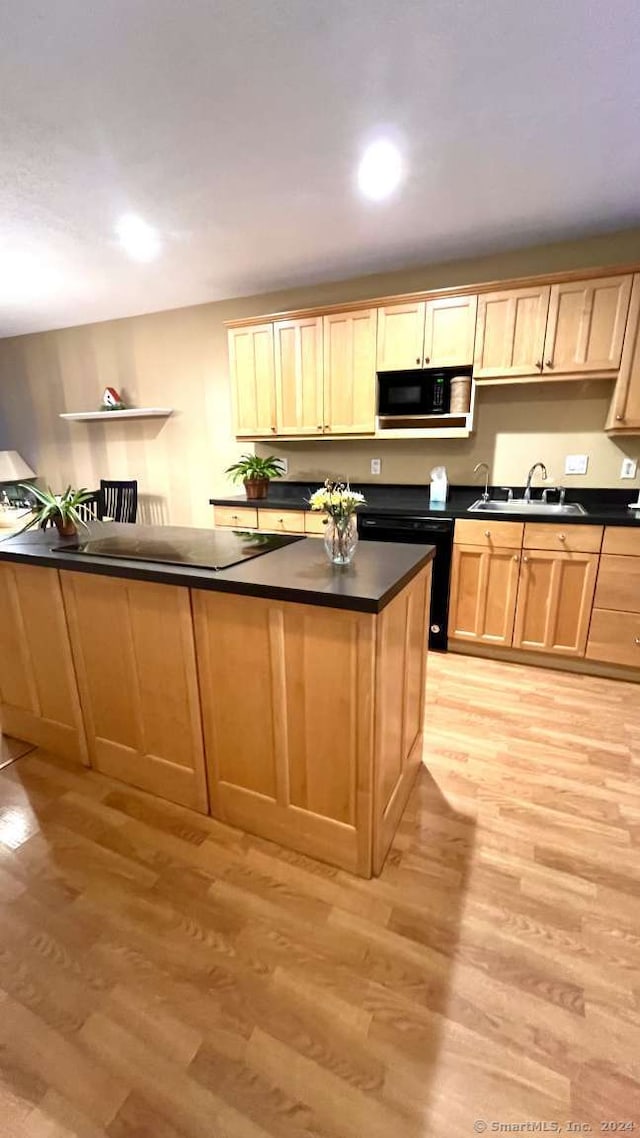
(539, 365)
(516, 557)
(525, 559)
(427, 359)
(548, 363)
(562, 537)
(319, 427)
(327, 427)
(274, 428)
(637, 641)
(487, 533)
(417, 359)
(619, 418)
(234, 517)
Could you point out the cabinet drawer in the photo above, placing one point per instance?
(281, 521)
(614, 638)
(488, 534)
(314, 524)
(623, 540)
(237, 517)
(573, 539)
(618, 584)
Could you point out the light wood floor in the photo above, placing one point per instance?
(162, 975)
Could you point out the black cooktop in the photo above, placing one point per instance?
(210, 549)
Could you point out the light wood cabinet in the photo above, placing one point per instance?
(281, 521)
(488, 534)
(299, 376)
(555, 597)
(624, 413)
(432, 333)
(449, 331)
(308, 767)
(510, 331)
(484, 588)
(350, 372)
(251, 364)
(618, 584)
(236, 517)
(401, 336)
(586, 325)
(622, 540)
(134, 655)
(38, 691)
(614, 638)
(563, 538)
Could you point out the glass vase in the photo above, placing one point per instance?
(341, 539)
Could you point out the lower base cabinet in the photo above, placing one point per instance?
(135, 662)
(484, 589)
(555, 597)
(614, 638)
(38, 693)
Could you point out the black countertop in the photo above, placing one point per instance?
(298, 572)
(604, 507)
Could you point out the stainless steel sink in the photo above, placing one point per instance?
(521, 506)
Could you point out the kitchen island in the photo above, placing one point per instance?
(281, 694)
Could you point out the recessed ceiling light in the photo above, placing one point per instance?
(380, 170)
(140, 241)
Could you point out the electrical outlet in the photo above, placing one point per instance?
(284, 465)
(576, 463)
(629, 468)
(376, 465)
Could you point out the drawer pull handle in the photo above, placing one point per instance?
(487, 533)
(562, 537)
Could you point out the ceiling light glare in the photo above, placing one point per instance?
(140, 241)
(380, 170)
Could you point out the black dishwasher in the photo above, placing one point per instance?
(420, 531)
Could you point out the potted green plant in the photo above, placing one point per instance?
(255, 473)
(61, 509)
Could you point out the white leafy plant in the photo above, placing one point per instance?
(336, 499)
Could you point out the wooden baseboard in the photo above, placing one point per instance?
(546, 660)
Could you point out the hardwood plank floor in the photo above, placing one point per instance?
(164, 976)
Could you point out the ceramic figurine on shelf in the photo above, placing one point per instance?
(111, 400)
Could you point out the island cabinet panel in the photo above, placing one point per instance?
(286, 692)
(555, 598)
(401, 659)
(38, 691)
(135, 660)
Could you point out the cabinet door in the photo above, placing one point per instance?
(350, 372)
(298, 369)
(484, 586)
(555, 598)
(624, 413)
(135, 659)
(400, 336)
(449, 331)
(251, 366)
(38, 691)
(586, 325)
(510, 332)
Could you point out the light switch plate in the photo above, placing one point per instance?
(576, 463)
(376, 465)
(629, 468)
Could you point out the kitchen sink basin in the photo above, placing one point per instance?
(520, 506)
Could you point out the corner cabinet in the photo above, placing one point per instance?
(350, 372)
(251, 364)
(624, 415)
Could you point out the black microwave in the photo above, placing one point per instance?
(424, 392)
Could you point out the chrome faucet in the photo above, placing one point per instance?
(483, 466)
(536, 465)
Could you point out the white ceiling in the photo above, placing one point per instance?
(235, 127)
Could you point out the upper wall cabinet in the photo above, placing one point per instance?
(432, 333)
(586, 325)
(510, 332)
(299, 376)
(251, 363)
(350, 372)
(624, 415)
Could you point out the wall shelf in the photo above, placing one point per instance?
(129, 413)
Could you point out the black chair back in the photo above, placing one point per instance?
(119, 500)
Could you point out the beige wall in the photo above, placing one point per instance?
(179, 359)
